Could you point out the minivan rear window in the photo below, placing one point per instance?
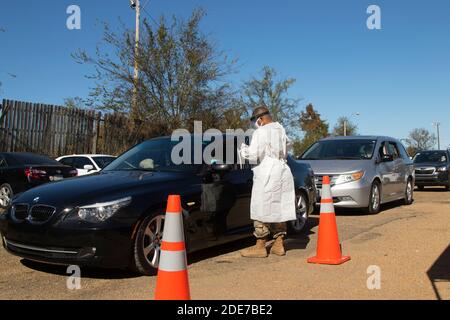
(357, 149)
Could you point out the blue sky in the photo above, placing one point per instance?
(397, 78)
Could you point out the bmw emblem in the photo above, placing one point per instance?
(36, 200)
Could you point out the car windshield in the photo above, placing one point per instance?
(33, 159)
(152, 155)
(357, 149)
(102, 162)
(435, 156)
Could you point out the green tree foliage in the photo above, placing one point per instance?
(313, 127)
(181, 76)
(338, 130)
(420, 139)
(272, 92)
(411, 151)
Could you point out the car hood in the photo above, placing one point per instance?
(94, 188)
(334, 167)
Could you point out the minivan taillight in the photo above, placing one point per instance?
(35, 174)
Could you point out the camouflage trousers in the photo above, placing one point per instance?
(263, 230)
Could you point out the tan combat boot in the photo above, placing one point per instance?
(257, 251)
(278, 247)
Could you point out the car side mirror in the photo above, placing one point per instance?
(88, 167)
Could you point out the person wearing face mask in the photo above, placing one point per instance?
(273, 193)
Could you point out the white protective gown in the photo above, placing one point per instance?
(273, 193)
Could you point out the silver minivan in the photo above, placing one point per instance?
(365, 171)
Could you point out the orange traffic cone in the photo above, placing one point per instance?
(328, 248)
(172, 282)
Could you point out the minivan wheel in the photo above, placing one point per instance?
(302, 214)
(147, 245)
(6, 195)
(409, 193)
(375, 198)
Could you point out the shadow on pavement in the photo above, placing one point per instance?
(292, 242)
(360, 211)
(87, 272)
(301, 241)
(440, 271)
(219, 250)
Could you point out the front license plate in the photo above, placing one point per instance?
(56, 178)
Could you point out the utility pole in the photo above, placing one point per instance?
(136, 5)
(437, 125)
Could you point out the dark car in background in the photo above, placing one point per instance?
(432, 169)
(114, 218)
(22, 171)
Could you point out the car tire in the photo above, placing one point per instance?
(409, 192)
(147, 245)
(374, 198)
(421, 188)
(302, 213)
(6, 195)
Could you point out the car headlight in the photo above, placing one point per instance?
(442, 169)
(351, 177)
(100, 212)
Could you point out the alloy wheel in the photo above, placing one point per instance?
(152, 240)
(409, 191)
(5, 196)
(301, 213)
(375, 197)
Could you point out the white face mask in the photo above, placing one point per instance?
(257, 125)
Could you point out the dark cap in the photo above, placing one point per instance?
(259, 112)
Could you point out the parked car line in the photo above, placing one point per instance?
(22, 171)
(114, 218)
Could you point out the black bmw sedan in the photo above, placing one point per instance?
(115, 219)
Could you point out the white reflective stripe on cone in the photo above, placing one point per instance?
(326, 192)
(326, 208)
(173, 228)
(172, 261)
